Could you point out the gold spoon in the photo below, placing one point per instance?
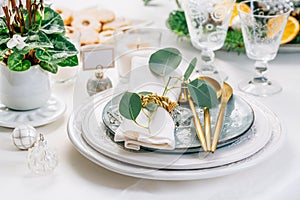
(207, 123)
(226, 95)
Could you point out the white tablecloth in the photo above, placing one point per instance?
(76, 177)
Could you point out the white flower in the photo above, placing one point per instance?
(17, 41)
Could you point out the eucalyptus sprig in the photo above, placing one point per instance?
(162, 63)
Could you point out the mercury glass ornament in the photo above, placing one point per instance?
(98, 83)
(24, 136)
(41, 160)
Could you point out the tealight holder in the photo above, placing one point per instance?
(136, 42)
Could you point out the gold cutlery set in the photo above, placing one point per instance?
(208, 143)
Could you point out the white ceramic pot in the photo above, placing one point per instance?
(25, 90)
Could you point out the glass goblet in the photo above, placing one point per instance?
(208, 23)
(262, 24)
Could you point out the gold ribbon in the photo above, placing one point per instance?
(162, 101)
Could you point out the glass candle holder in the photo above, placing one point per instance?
(139, 42)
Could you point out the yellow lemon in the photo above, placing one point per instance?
(274, 26)
(291, 30)
(235, 12)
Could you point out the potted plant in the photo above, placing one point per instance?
(32, 43)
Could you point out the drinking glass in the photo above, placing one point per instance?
(208, 22)
(262, 24)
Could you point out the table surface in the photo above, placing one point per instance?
(76, 177)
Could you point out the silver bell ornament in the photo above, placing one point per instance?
(98, 83)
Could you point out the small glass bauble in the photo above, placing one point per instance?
(41, 160)
(24, 136)
(98, 83)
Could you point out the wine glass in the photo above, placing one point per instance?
(262, 24)
(208, 22)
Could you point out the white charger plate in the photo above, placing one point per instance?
(75, 136)
(94, 132)
(53, 109)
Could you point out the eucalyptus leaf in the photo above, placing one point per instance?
(49, 67)
(190, 69)
(202, 93)
(165, 61)
(16, 62)
(52, 22)
(151, 107)
(130, 105)
(69, 62)
(145, 92)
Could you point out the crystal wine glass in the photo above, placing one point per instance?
(208, 22)
(262, 24)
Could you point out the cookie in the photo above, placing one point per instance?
(102, 15)
(116, 24)
(105, 37)
(89, 36)
(72, 33)
(86, 22)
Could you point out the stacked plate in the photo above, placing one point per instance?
(251, 133)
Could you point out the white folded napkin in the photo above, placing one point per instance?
(161, 132)
(159, 136)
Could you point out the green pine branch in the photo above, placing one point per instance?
(234, 41)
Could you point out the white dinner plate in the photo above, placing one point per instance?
(94, 132)
(75, 135)
(53, 109)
